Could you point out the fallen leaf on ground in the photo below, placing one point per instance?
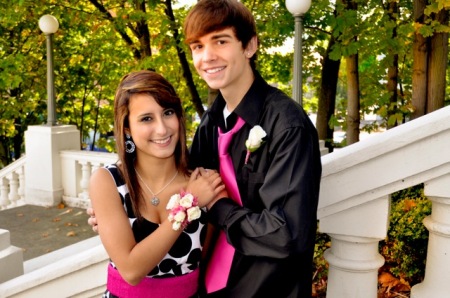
(69, 224)
(390, 284)
(71, 234)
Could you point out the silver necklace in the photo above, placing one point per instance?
(155, 199)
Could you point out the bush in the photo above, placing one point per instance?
(405, 247)
(323, 242)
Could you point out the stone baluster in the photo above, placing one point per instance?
(353, 267)
(21, 190)
(95, 166)
(13, 189)
(353, 257)
(437, 272)
(84, 182)
(4, 193)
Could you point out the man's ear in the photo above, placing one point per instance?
(252, 46)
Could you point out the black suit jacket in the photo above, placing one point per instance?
(274, 231)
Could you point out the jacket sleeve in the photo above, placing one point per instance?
(286, 223)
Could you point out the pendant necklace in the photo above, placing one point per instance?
(155, 199)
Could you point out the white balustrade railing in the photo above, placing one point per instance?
(12, 184)
(78, 167)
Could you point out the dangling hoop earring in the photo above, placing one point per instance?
(129, 145)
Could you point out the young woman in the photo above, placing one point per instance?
(154, 246)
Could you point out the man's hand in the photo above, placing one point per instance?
(92, 221)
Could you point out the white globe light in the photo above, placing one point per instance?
(298, 7)
(48, 24)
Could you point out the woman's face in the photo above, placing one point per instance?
(154, 130)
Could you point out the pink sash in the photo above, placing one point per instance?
(169, 287)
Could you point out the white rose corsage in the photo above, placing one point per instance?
(183, 209)
(254, 141)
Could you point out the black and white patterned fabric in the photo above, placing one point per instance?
(184, 256)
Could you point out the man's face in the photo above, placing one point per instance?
(220, 59)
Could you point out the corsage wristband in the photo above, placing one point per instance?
(183, 209)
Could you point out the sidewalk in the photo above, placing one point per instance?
(40, 230)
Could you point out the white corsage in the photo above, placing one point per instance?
(183, 209)
(254, 141)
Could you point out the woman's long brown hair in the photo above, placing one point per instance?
(154, 84)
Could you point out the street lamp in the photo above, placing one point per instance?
(49, 25)
(298, 8)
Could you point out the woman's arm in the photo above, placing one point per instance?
(133, 260)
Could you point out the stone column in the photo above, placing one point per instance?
(353, 256)
(43, 165)
(354, 264)
(437, 272)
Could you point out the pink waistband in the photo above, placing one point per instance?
(169, 287)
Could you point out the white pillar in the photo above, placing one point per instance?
(353, 257)
(437, 273)
(354, 264)
(43, 167)
(11, 258)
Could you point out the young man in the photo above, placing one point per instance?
(271, 222)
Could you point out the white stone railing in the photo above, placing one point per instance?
(354, 208)
(12, 184)
(77, 169)
(354, 204)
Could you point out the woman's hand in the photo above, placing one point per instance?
(92, 220)
(206, 185)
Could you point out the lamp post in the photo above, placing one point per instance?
(49, 25)
(298, 8)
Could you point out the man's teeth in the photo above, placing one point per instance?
(214, 70)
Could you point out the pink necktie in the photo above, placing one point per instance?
(219, 265)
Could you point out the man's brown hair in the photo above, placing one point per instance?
(208, 16)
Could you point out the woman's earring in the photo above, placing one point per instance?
(129, 145)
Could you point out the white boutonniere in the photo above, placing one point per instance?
(254, 141)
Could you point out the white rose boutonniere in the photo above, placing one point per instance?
(254, 141)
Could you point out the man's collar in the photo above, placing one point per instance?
(249, 107)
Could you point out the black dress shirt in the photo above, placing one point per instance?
(274, 231)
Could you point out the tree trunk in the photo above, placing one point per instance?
(438, 59)
(327, 96)
(420, 53)
(392, 74)
(353, 115)
(353, 104)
